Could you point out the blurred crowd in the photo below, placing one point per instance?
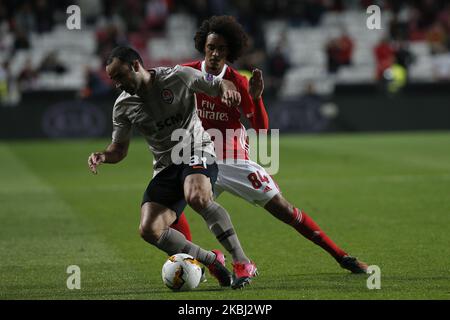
(133, 22)
(421, 20)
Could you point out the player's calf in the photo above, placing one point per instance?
(304, 224)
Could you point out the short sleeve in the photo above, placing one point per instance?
(122, 127)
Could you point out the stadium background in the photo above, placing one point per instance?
(324, 71)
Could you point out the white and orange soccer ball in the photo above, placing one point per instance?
(181, 272)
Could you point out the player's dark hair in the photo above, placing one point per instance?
(124, 54)
(227, 27)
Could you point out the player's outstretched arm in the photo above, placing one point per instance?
(210, 85)
(230, 96)
(114, 153)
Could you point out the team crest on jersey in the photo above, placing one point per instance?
(167, 96)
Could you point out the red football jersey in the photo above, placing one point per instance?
(216, 115)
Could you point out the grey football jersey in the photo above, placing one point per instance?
(170, 104)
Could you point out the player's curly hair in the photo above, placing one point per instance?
(227, 27)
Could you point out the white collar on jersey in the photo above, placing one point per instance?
(220, 75)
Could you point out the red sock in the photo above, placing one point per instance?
(310, 230)
(183, 226)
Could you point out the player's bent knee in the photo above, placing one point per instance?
(149, 234)
(198, 201)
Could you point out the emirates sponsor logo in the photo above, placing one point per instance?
(207, 112)
(212, 115)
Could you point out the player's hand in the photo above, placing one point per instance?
(231, 98)
(94, 160)
(256, 84)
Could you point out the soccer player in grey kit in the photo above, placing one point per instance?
(157, 102)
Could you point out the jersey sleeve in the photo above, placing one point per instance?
(199, 82)
(122, 127)
(255, 112)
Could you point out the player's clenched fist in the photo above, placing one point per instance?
(231, 98)
(94, 160)
(256, 84)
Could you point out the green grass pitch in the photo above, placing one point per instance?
(384, 198)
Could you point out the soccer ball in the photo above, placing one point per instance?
(181, 272)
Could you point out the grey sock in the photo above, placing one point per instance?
(173, 241)
(219, 222)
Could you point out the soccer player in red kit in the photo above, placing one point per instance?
(222, 39)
